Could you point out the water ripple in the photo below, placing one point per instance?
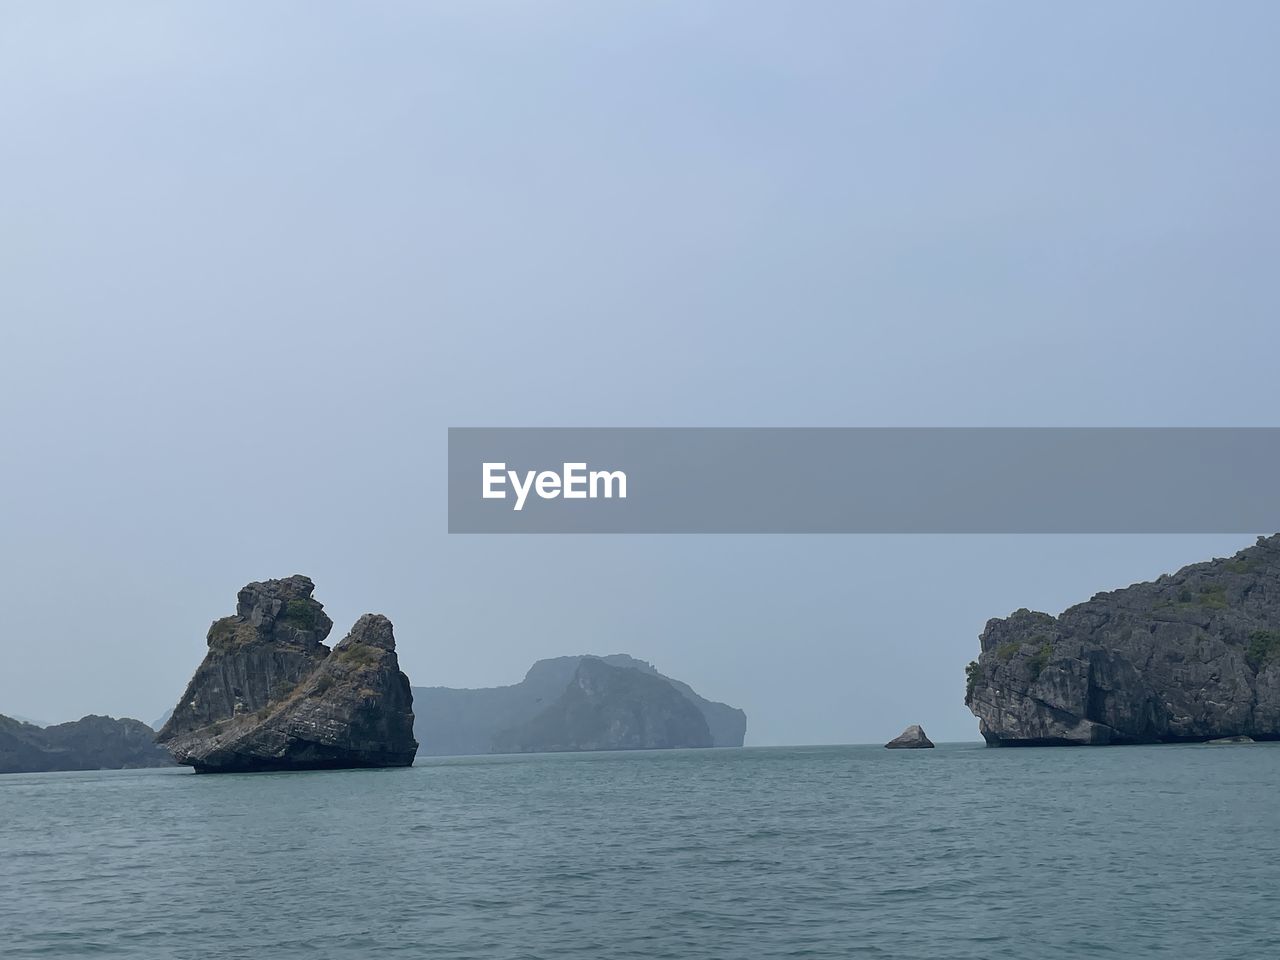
(771, 853)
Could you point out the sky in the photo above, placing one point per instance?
(256, 258)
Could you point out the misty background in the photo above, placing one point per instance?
(256, 258)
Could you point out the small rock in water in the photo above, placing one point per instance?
(912, 738)
(1233, 740)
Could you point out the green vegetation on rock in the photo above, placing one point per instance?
(1244, 565)
(971, 674)
(1264, 646)
(358, 654)
(301, 614)
(1040, 659)
(229, 631)
(1214, 596)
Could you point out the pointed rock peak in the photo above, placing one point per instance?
(912, 738)
(371, 630)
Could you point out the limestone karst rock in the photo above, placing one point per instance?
(453, 721)
(90, 743)
(606, 707)
(270, 695)
(1191, 656)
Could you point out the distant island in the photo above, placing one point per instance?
(270, 695)
(582, 702)
(1192, 656)
(91, 743)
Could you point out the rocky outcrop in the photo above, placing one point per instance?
(270, 695)
(912, 738)
(455, 721)
(91, 743)
(606, 707)
(1192, 656)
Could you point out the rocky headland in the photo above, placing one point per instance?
(270, 695)
(90, 743)
(1191, 656)
(454, 721)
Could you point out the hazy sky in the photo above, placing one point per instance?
(255, 258)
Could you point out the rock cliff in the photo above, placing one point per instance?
(610, 708)
(270, 695)
(1192, 656)
(91, 743)
(455, 721)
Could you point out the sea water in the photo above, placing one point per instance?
(958, 852)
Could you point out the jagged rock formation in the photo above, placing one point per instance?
(1192, 656)
(91, 743)
(271, 696)
(456, 722)
(912, 738)
(610, 708)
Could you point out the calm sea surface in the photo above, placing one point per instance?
(791, 852)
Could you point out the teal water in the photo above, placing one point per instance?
(959, 852)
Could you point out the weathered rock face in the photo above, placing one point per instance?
(91, 743)
(256, 657)
(271, 696)
(611, 708)
(912, 738)
(1191, 656)
(454, 721)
